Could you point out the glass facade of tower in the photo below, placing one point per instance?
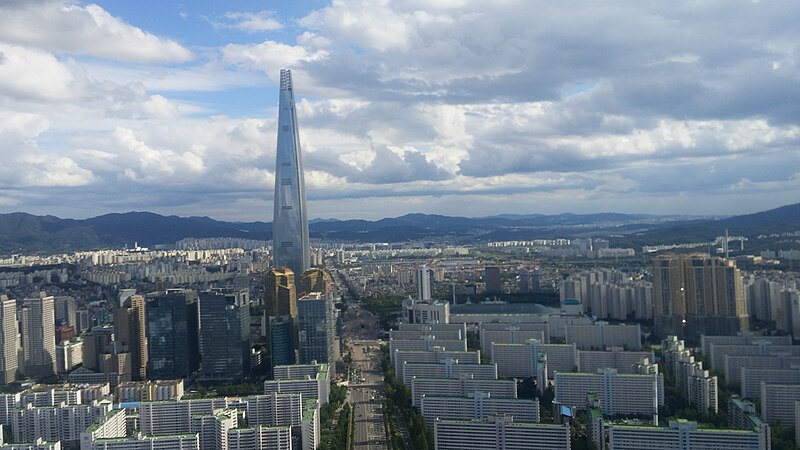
(224, 336)
(289, 220)
(172, 335)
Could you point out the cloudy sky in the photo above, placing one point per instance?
(454, 107)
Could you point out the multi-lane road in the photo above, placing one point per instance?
(366, 396)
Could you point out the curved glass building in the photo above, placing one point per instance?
(290, 222)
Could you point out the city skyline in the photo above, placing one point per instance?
(406, 107)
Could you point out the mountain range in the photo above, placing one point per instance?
(26, 233)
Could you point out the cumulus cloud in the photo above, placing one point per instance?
(412, 105)
(251, 22)
(84, 30)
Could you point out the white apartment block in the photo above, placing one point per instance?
(63, 423)
(619, 394)
(614, 358)
(707, 341)
(478, 406)
(112, 426)
(302, 371)
(460, 388)
(751, 380)
(448, 369)
(521, 360)
(684, 435)
(406, 335)
(260, 438)
(212, 429)
(434, 356)
(516, 333)
(39, 444)
(141, 442)
(778, 403)
(601, 335)
(435, 328)
(757, 348)
(427, 343)
(499, 433)
(275, 409)
(311, 389)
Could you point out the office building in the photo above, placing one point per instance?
(280, 297)
(224, 335)
(494, 283)
(280, 333)
(428, 311)
(316, 328)
(37, 330)
(66, 310)
(315, 280)
(698, 294)
(9, 340)
(130, 323)
(172, 326)
(290, 242)
(499, 432)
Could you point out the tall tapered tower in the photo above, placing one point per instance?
(289, 221)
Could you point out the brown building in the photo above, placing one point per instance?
(130, 332)
(697, 294)
(315, 280)
(280, 297)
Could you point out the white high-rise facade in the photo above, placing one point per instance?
(8, 339)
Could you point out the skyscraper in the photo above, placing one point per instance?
(224, 334)
(37, 319)
(315, 280)
(698, 294)
(280, 298)
(315, 328)
(129, 328)
(8, 339)
(172, 334)
(290, 244)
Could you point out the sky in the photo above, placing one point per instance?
(454, 107)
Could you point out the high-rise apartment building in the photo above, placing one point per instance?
(224, 335)
(698, 294)
(130, 332)
(37, 325)
(8, 340)
(172, 334)
(280, 298)
(290, 243)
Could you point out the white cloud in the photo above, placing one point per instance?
(84, 30)
(253, 22)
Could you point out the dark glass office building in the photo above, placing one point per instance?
(172, 318)
(224, 335)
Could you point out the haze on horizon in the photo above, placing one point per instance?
(451, 107)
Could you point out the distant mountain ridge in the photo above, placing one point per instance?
(27, 233)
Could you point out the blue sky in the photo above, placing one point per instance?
(453, 107)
